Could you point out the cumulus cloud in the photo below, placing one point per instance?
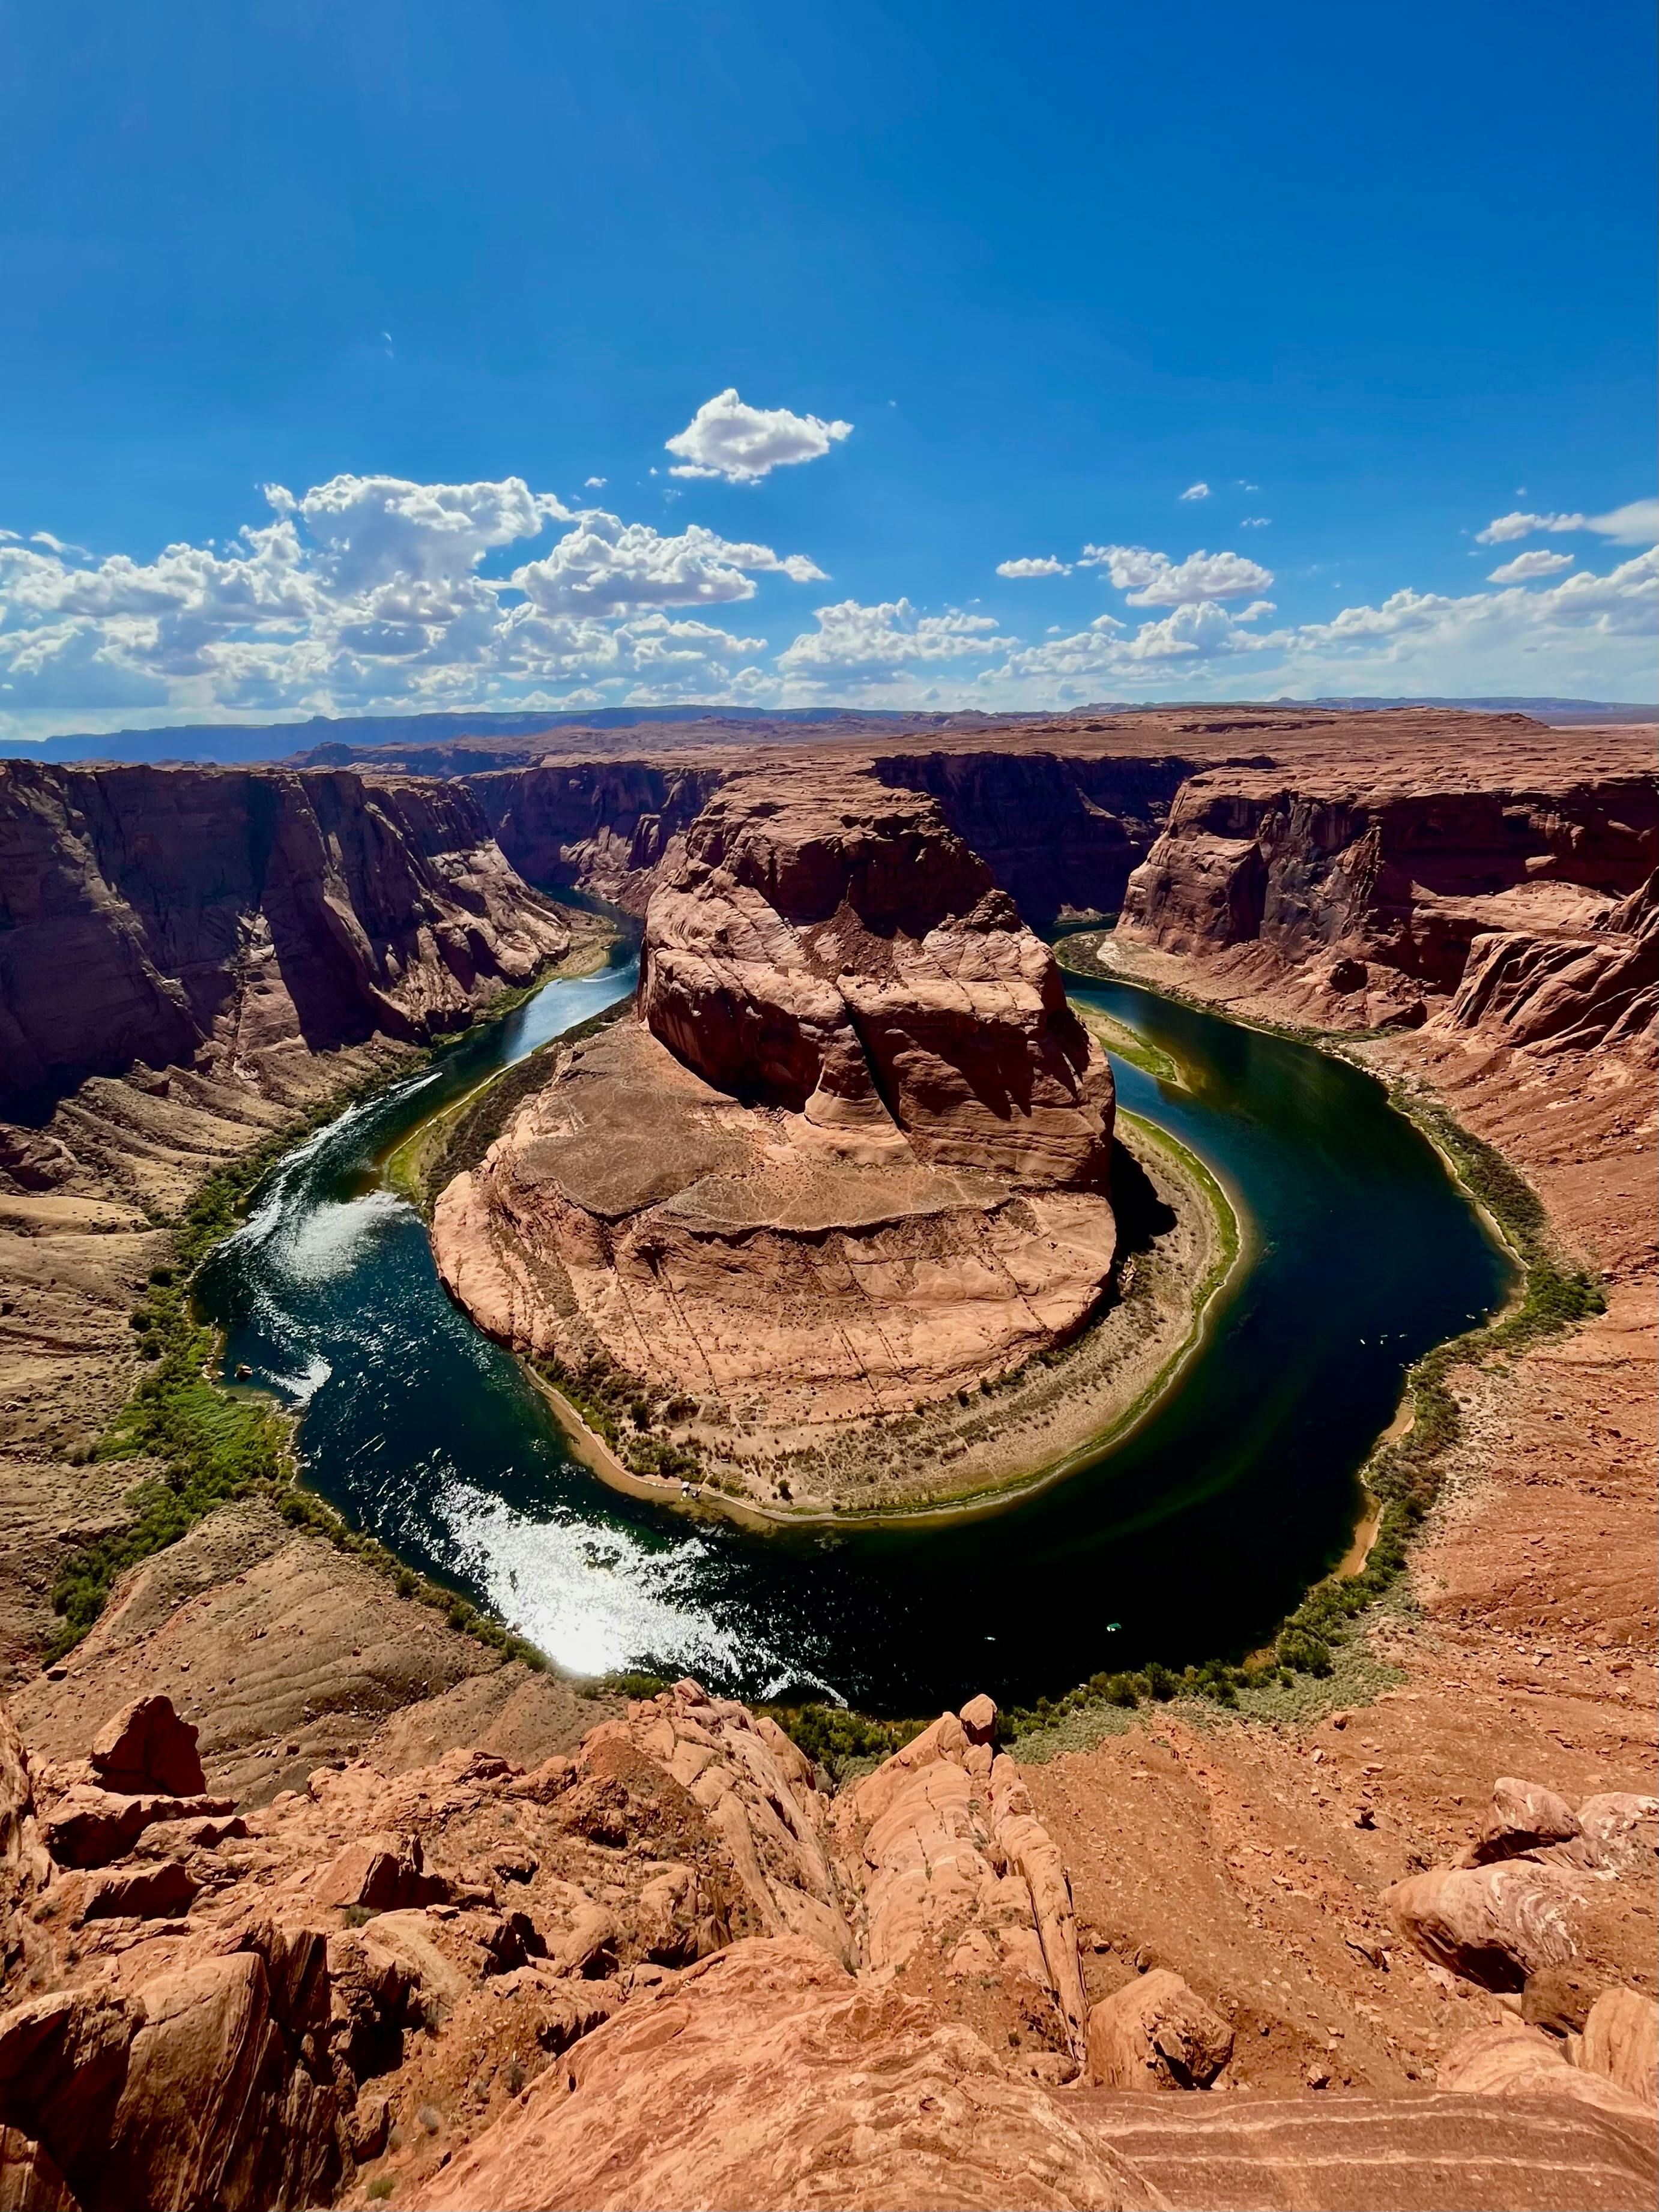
(1196, 491)
(368, 589)
(605, 566)
(1508, 527)
(857, 642)
(1045, 565)
(742, 444)
(1590, 631)
(1255, 522)
(1525, 567)
(1636, 522)
(1153, 580)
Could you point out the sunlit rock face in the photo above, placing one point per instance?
(835, 950)
(849, 1153)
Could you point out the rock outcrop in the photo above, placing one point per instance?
(1376, 902)
(1157, 2034)
(851, 1156)
(675, 1970)
(203, 917)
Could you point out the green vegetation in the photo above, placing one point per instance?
(211, 1445)
(839, 1740)
(626, 1411)
(1124, 1044)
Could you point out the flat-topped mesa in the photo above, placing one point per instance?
(847, 1157)
(834, 950)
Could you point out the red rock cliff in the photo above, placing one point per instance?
(1372, 891)
(154, 914)
(829, 946)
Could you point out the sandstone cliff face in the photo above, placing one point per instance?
(173, 914)
(1370, 896)
(834, 950)
(851, 1156)
(1056, 832)
(604, 827)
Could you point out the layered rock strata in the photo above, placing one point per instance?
(850, 1154)
(209, 918)
(1473, 895)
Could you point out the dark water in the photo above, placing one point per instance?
(1189, 1539)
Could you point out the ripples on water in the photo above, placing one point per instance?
(1192, 1538)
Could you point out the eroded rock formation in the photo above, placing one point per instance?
(850, 1155)
(186, 917)
(1475, 890)
(675, 1971)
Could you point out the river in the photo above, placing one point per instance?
(1189, 1539)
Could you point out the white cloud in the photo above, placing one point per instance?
(1256, 522)
(1153, 580)
(595, 483)
(742, 444)
(1525, 567)
(605, 566)
(859, 643)
(1046, 565)
(1196, 491)
(1508, 527)
(1587, 633)
(368, 591)
(1636, 522)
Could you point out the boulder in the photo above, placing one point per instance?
(1492, 1925)
(380, 1873)
(157, 1892)
(29, 2177)
(147, 1747)
(767, 2076)
(1524, 1816)
(16, 1791)
(217, 2108)
(1513, 2060)
(1621, 2041)
(1558, 1999)
(1155, 2033)
(89, 1827)
(978, 1719)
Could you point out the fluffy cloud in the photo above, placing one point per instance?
(1153, 580)
(1256, 522)
(1527, 567)
(370, 590)
(742, 444)
(605, 566)
(1587, 630)
(856, 643)
(1196, 491)
(1046, 565)
(1637, 523)
(1508, 527)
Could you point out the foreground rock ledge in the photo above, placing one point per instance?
(850, 1154)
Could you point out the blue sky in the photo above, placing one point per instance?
(450, 277)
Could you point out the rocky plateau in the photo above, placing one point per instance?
(309, 1898)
